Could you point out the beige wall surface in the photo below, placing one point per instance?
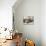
(36, 8)
(29, 8)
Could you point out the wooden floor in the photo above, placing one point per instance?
(9, 43)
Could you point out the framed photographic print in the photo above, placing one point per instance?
(28, 20)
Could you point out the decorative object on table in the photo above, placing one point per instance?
(9, 34)
(29, 43)
(28, 20)
(5, 29)
(2, 33)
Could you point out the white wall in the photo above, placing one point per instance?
(6, 18)
(6, 13)
(29, 8)
(43, 22)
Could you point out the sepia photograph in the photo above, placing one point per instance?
(28, 20)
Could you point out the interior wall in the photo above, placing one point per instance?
(29, 8)
(6, 17)
(43, 22)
